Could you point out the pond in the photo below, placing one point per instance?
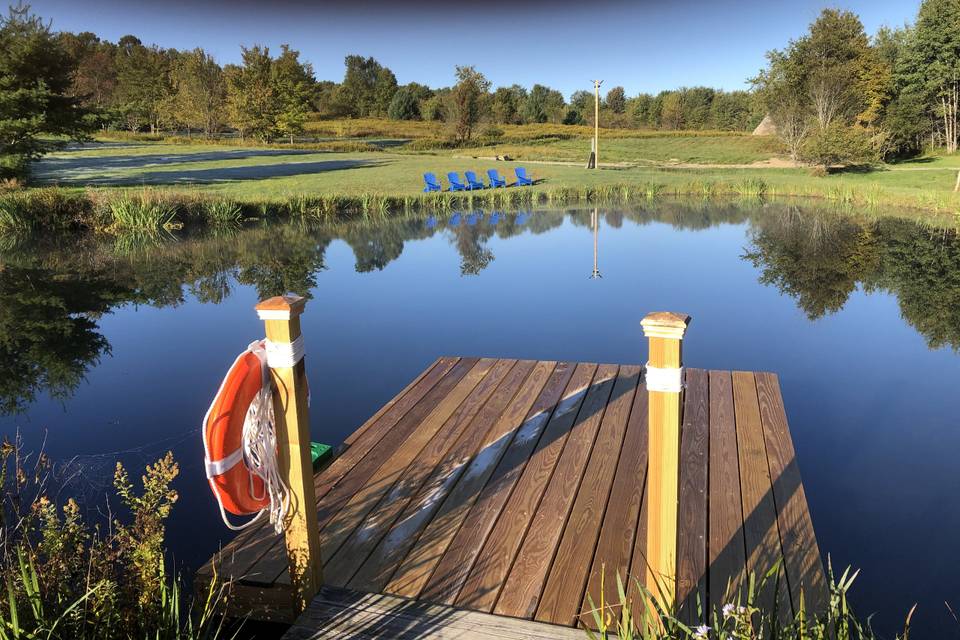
(112, 350)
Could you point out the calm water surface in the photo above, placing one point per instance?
(113, 351)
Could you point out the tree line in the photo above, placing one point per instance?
(839, 96)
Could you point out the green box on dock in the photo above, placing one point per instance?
(320, 453)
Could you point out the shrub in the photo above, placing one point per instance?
(65, 579)
(840, 144)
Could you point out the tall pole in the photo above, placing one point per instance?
(596, 123)
(281, 317)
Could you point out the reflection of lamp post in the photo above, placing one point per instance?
(595, 223)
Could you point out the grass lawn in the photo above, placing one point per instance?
(257, 174)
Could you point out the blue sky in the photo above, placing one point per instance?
(643, 46)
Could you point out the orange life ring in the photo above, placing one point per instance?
(237, 489)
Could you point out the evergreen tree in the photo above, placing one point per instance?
(404, 105)
(36, 101)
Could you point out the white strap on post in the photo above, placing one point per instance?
(284, 354)
(665, 380)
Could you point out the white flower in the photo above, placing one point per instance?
(700, 633)
(728, 610)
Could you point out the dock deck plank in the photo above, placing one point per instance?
(504, 486)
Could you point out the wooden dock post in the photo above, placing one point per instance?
(664, 376)
(281, 316)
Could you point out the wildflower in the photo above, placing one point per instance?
(700, 633)
(727, 610)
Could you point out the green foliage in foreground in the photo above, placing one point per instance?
(639, 615)
(64, 579)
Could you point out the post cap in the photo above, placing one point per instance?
(282, 307)
(665, 324)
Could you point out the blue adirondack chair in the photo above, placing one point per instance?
(494, 218)
(472, 219)
(432, 183)
(431, 222)
(455, 219)
(455, 184)
(495, 179)
(522, 218)
(522, 179)
(472, 181)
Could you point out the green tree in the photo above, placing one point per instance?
(466, 102)
(544, 104)
(251, 98)
(404, 105)
(199, 91)
(367, 87)
(695, 103)
(36, 100)
(293, 87)
(733, 111)
(671, 110)
(95, 72)
(143, 84)
(644, 111)
(930, 68)
(383, 91)
(617, 100)
(506, 103)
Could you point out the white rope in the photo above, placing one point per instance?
(260, 443)
(258, 449)
(666, 380)
(284, 354)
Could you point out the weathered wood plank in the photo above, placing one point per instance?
(454, 567)
(567, 577)
(419, 564)
(692, 512)
(615, 547)
(482, 587)
(338, 614)
(524, 584)
(372, 511)
(374, 574)
(801, 554)
(760, 530)
(726, 549)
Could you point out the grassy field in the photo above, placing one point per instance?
(356, 171)
(265, 174)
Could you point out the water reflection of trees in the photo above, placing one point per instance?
(52, 294)
(821, 259)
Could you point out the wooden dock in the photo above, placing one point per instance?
(507, 487)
